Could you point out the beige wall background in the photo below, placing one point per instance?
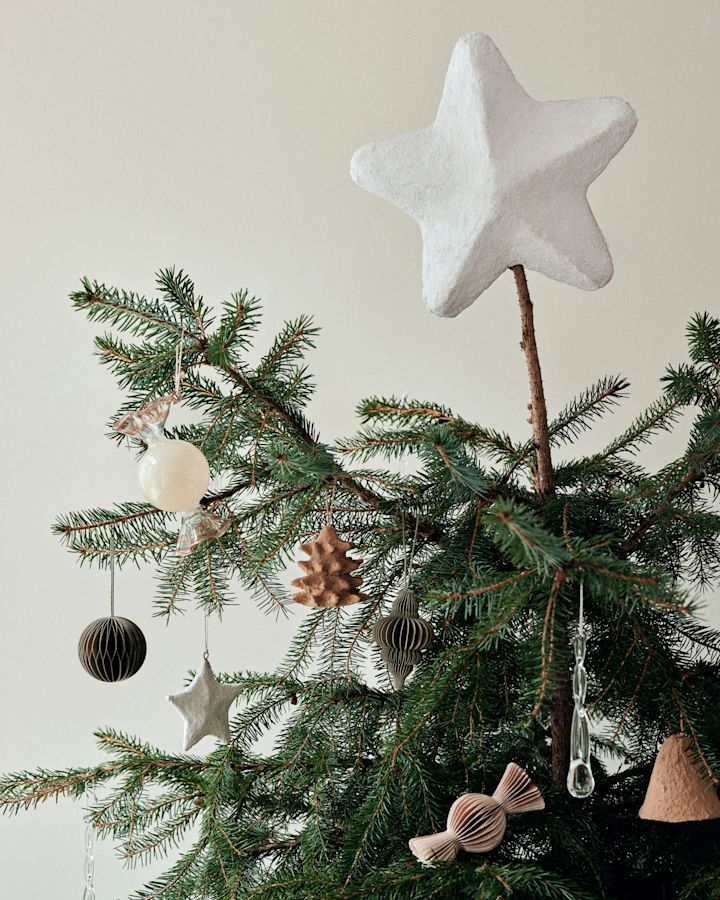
(217, 136)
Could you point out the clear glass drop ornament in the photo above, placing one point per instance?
(89, 887)
(580, 780)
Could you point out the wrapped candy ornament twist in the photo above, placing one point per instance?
(174, 474)
(476, 822)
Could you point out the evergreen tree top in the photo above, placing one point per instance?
(357, 768)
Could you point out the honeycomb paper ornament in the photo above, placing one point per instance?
(112, 649)
(677, 791)
(329, 580)
(402, 637)
(476, 822)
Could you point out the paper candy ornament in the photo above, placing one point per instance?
(677, 791)
(499, 179)
(174, 474)
(328, 580)
(476, 822)
(402, 636)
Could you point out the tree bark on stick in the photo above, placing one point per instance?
(544, 478)
(562, 702)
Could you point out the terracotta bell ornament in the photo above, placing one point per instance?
(678, 791)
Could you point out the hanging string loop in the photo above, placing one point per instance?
(112, 575)
(177, 393)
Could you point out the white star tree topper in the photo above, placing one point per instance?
(499, 179)
(205, 706)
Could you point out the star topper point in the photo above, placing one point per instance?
(499, 179)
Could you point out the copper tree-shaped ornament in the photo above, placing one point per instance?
(329, 580)
(476, 822)
(402, 637)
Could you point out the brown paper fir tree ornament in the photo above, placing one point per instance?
(329, 580)
(476, 822)
(677, 791)
(402, 637)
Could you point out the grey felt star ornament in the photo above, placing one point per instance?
(205, 706)
(499, 179)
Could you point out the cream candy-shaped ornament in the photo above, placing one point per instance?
(174, 474)
(476, 822)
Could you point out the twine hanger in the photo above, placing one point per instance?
(178, 363)
(112, 575)
(408, 560)
(330, 503)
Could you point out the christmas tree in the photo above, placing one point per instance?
(503, 542)
(520, 635)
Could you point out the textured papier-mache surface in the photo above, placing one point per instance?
(205, 706)
(678, 792)
(499, 179)
(328, 581)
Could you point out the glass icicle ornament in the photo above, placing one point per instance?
(89, 891)
(174, 474)
(580, 780)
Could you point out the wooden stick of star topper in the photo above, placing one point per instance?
(499, 180)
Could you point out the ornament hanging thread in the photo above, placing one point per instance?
(403, 634)
(329, 580)
(112, 648)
